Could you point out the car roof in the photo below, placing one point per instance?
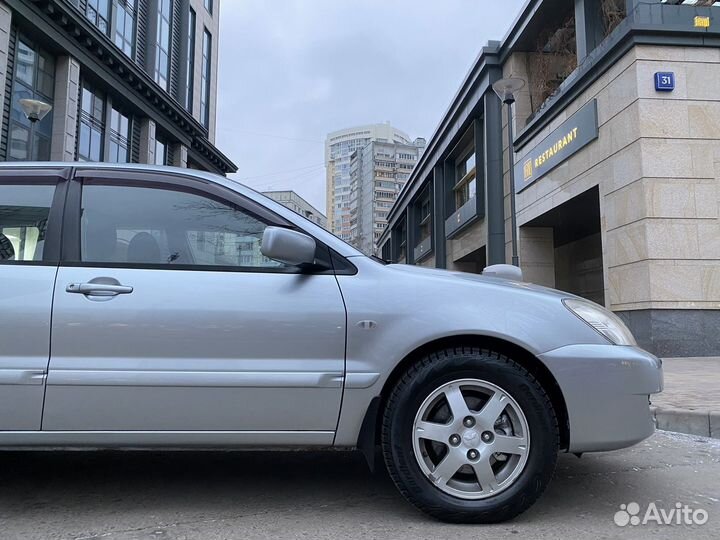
(321, 234)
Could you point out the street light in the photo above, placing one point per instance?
(506, 90)
(34, 109)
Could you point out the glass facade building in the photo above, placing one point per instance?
(115, 73)
(33, 78)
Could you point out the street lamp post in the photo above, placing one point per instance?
(35, 110)
(505, 90)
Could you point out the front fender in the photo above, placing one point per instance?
(392, 312)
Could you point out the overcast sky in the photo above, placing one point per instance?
(293, 70)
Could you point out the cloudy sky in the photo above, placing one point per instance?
(293, 70)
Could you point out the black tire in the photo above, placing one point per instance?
(421, 380)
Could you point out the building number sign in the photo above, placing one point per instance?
(665, 81)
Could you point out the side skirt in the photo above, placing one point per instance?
(13, 440)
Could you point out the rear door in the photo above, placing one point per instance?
(167, 318)
(30, 206)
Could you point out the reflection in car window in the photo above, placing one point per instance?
(144, 225)
(24, 213)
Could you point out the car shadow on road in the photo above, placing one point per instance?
(256, 481)
(132, 490)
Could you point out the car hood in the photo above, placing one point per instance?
(457, 278)
(440, 303)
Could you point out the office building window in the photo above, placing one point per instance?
(92, 124)
(205, 83)
(386, 251)
(423, 213)
(208, 5)
(119, 137)
(465, 185)
(125, 25)
(103, 127)
(162, 55)
(98, 13)
(205, 90)
(399, 241)
(34, 79)
(190, 81)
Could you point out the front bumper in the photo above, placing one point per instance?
(606, 390)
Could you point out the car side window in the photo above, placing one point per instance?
(159, 226)
(24, 211)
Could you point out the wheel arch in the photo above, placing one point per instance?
(369, 436)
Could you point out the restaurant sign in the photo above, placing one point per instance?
(573, 134)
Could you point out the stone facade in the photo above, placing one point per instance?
(465, 243)
(147, 141)
(628, 214)
(656, 165)
(67, 90)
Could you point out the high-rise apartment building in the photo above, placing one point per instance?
(378, 173)
(339, 147)
(125, 80)
(296, 203)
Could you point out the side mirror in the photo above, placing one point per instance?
(504, 271)
(286, 246)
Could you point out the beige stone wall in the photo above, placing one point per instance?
(537, 253)
(472, 238)
(657, 165)
(147, 141)
(180, 155)
(64, 130)
(428, 261)
(579, 268)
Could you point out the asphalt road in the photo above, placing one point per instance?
(273, 495)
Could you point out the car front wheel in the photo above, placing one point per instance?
(469, 436)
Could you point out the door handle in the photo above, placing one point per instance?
(98, 289)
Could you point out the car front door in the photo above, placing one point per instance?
(167, 318)
(29, 247)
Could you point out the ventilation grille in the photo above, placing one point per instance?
(141, 38)
(175, 52)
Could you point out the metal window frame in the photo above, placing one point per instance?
(206, 77)
(190, 63)
(69, 253)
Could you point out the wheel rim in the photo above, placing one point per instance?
(471, 439)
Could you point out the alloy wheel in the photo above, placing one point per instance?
(471, 439)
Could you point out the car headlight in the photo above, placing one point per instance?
(602, 320)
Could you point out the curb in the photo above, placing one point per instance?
(703, 423)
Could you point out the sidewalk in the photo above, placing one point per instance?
(690, 402)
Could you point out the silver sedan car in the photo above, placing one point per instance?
(150, 307)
